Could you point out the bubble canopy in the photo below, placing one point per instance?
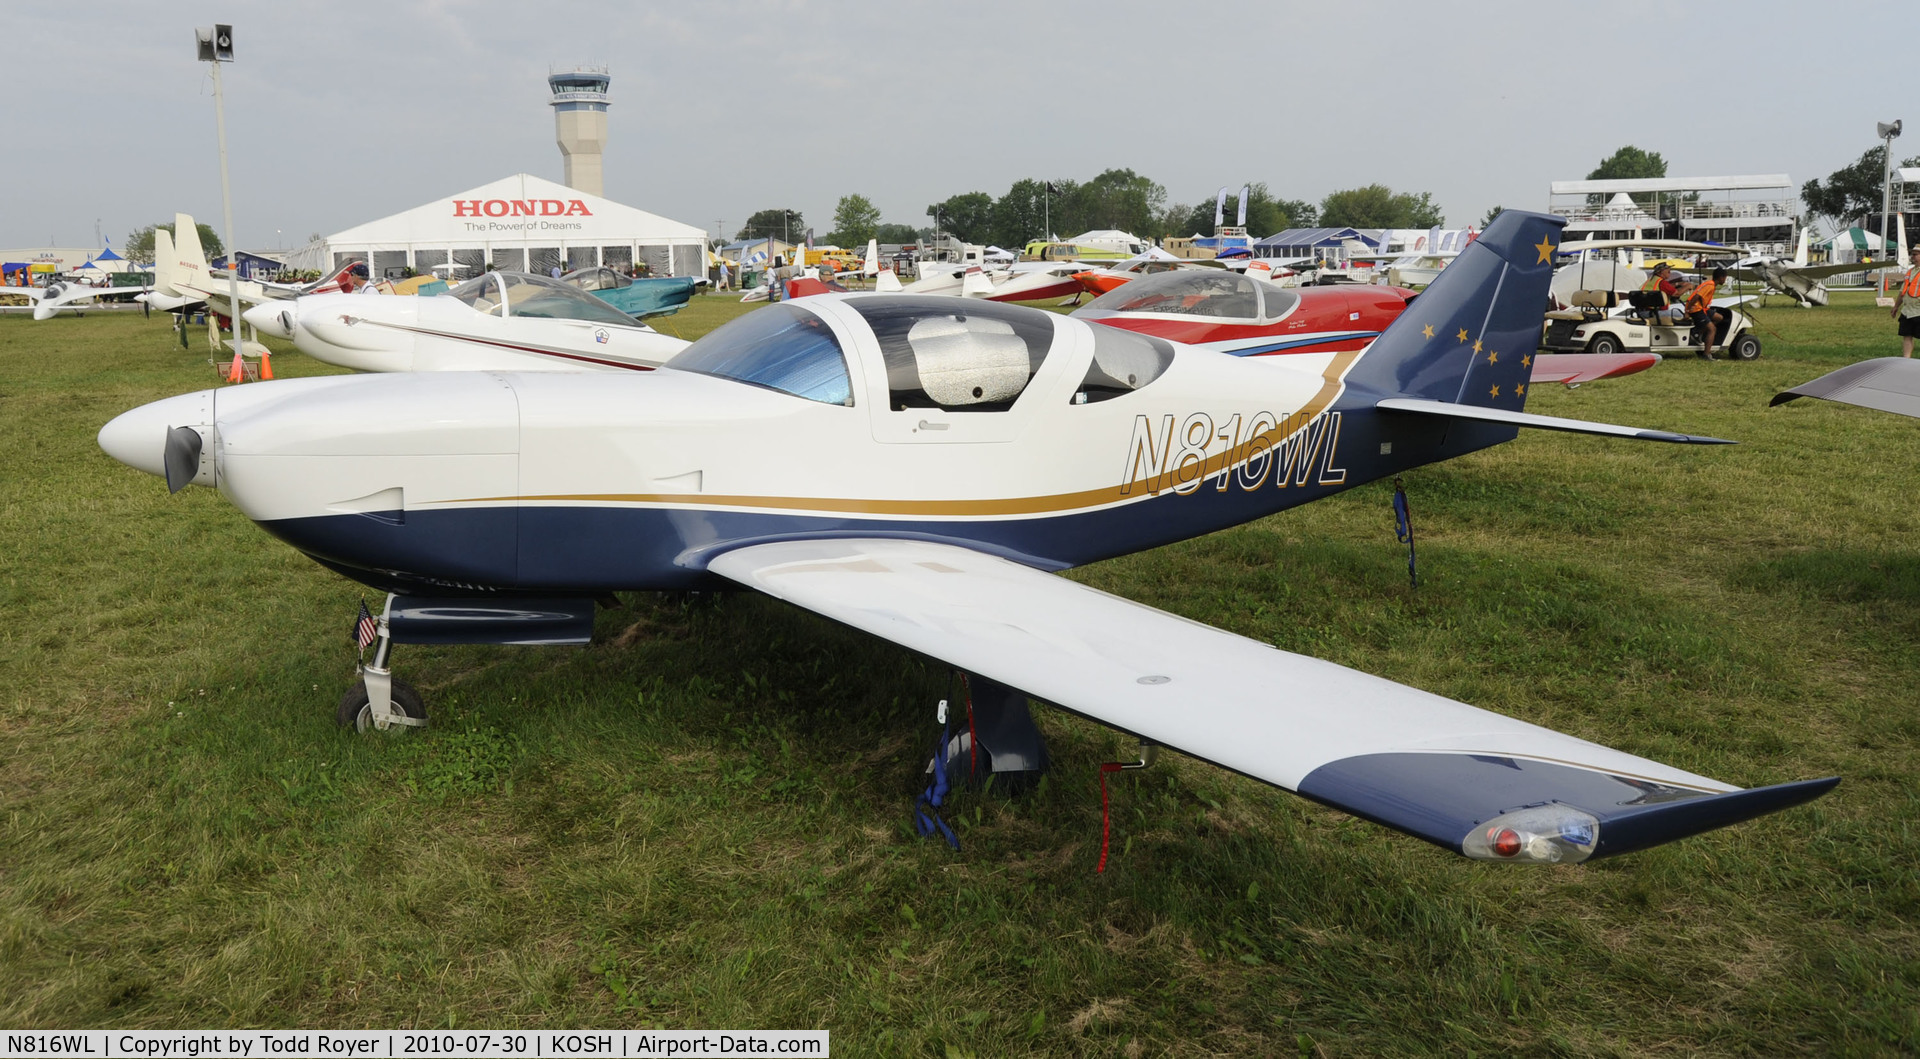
(523, 294)
(1210, 293)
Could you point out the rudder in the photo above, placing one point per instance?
(1470, 338)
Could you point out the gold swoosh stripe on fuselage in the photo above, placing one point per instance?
(1138, 489)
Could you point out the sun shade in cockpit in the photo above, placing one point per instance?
(963, 362)
(958, 355)
(1123, 361)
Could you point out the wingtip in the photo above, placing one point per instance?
(1683, 439)
(1662, 823)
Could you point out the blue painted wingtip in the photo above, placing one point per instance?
(1446, 798)
(1624, 831)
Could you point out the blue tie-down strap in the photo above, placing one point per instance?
(926, 818)
(1403, 529)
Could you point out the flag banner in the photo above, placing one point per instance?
(365, 629)
(1244, 192)
(431, 1044)
(1220, 208)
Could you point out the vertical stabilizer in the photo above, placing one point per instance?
(1800, 254)
(189, 256)
(871, 266)
(166, 265)
(1471, 336)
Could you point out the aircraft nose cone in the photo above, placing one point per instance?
(138, 438)
(274, 318)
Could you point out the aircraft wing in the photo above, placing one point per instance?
(1805, 271)
(1475, 782)
(1889, 384)
(83, 294)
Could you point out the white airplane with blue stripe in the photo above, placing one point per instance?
(920, 468)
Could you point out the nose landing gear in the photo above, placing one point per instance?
(378, 701)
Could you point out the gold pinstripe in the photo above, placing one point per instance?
(1330, 387)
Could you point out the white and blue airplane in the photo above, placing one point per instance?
(499, 321)
(919, 468)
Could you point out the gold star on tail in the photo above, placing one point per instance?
(1427, 330)
(1493, 358)
(1526, 362)
(1463, 334)
(1496, 391)
(1545, 246)
(1520, 389)
(1476, 345)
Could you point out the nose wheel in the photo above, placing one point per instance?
(377, 701)
(404, 708)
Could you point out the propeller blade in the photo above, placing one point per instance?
(182, 457)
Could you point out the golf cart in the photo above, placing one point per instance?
(1600, 308)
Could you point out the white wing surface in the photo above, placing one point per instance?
(1439, 769)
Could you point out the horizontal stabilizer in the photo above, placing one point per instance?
(1528, 419)
(1889, 384)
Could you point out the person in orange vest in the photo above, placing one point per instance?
(1906, 306)
(1661, 282)
(1700, 310)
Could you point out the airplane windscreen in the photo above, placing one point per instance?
(599, 278)
(1278, 300)
(483, 293)
(541, 297)
(779, 348)
(1188, 292)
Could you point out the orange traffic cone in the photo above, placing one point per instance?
(266, 365)
(238, 372)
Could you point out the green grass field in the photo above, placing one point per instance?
(703, 819)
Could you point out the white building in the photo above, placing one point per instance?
(1761, 212)
(521, 223)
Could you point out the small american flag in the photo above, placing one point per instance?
(365, 630)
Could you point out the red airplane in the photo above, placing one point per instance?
(1231, 313)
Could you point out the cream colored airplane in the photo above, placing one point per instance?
(919, 468)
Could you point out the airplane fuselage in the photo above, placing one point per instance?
(562, 482)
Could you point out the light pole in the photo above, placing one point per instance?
(1888, 131)
(216, 47)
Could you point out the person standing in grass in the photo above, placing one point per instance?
(1906, 305)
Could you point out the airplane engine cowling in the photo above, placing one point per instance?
(413, 473)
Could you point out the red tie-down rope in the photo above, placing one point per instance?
(1106, 818)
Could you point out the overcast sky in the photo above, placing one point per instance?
(340, 113)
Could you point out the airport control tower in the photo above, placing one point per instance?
(580, 123)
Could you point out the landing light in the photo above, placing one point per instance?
(1540, 834)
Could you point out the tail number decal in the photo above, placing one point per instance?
(1181, 455)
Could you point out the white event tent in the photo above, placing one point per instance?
(521, 223)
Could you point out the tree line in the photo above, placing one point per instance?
(1117, 198)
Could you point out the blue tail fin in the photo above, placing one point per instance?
(1470, 338)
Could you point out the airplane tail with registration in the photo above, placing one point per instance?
(1464, 348)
